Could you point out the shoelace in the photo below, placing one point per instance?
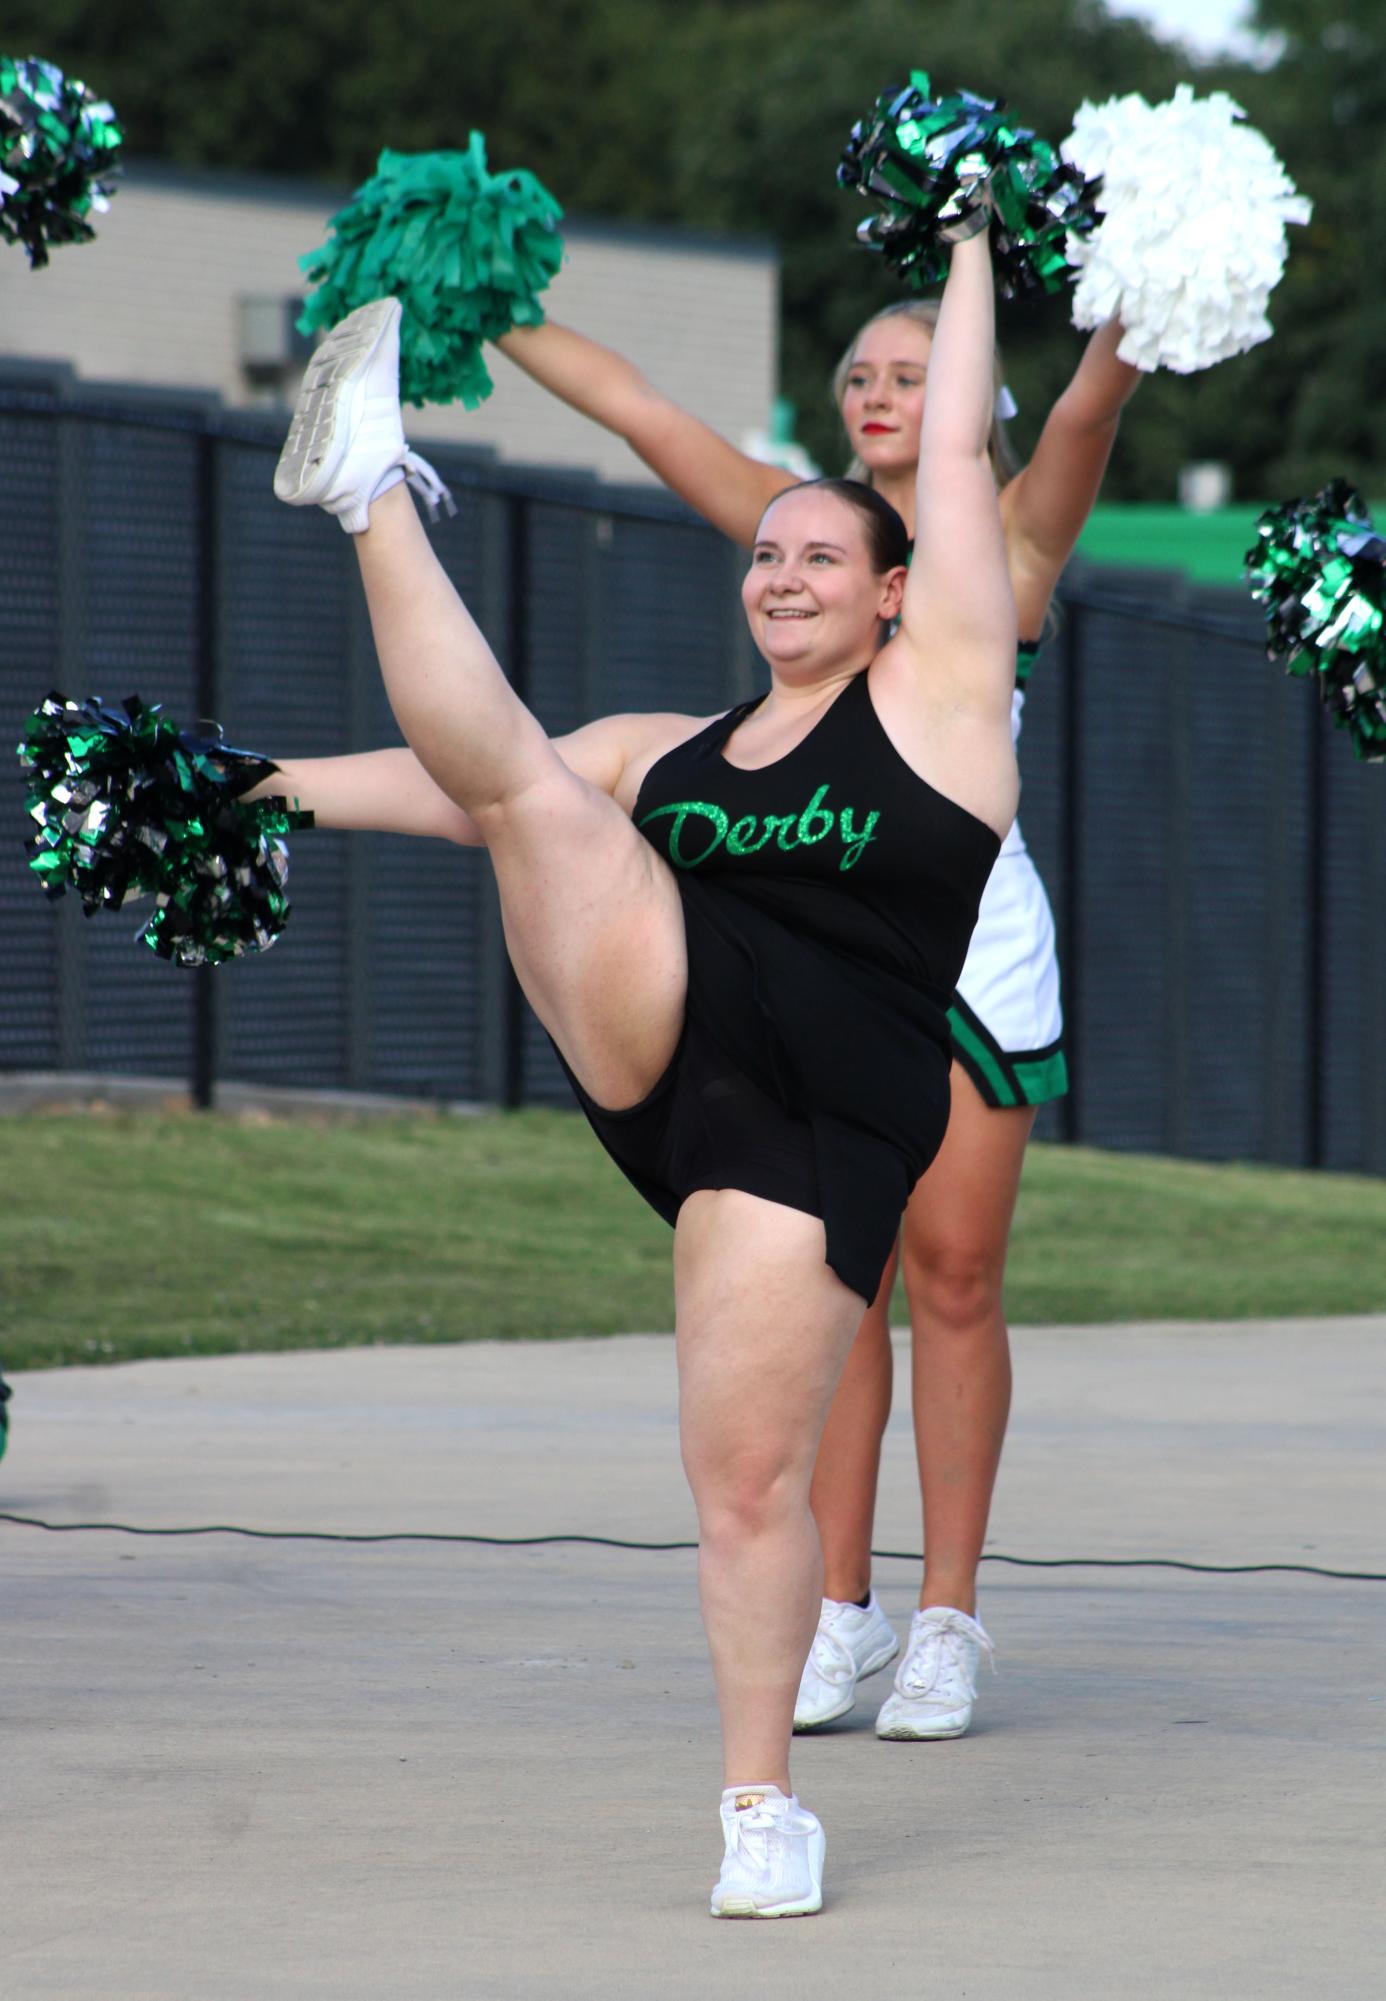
(424, 481)
(943, 1651)
(830, 1658)
(762, 1820)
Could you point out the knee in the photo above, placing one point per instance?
(746, 1496)
(955, 1286)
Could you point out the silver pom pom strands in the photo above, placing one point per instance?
(126, 805)
(1319, 568)
(465, 251)
(939, 168)
(59, 145)
(1194, 208)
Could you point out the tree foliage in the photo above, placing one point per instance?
(731, 116)
(1317, 394)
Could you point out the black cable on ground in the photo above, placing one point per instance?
(617, 1542)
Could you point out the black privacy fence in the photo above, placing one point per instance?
(1215, 856)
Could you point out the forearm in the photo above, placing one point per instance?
(375, 791)
(592, 379)
(719, 482)
(959, 404)
(1046, 505)
(959, 612)
(1102, 384)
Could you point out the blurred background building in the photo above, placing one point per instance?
(193, 283)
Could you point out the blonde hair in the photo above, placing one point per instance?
(924, 313)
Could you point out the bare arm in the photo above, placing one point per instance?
(389, 791)
(958, 620)
(1046, 506)
(943, 684)
(370, 791)
(726, 487)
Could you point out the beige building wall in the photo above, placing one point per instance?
(155, 299)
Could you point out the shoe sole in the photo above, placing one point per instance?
(742, 1907)
(910, 1733)
(849, 1702)
(806, 1907)
(317, 444)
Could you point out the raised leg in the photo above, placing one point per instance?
(592, 916)
(763, 1328)
(593, 919)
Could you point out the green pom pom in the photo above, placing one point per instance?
(933, 164)
(465, 251)
(59, 144)
(126, 805)
(1319, 568)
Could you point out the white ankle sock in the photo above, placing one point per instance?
(391, 478)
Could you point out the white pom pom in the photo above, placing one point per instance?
(1192, 237)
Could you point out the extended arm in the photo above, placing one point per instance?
(726, 487)
(389, 791)
(1046, 506)
(958, 618)
(370, 791)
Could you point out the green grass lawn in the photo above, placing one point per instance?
(1208, 548)
(140, 1234)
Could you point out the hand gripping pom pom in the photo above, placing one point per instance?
(57, 144)
(127, 806)
(465, 251)
(1192, 237)
(941, 168)
(1319, 568)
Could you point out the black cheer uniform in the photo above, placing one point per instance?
(828, 900)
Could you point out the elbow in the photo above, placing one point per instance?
(1084, 415)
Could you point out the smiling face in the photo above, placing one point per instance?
(813, 600)
(883, 393)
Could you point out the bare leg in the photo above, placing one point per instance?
(956, 1232)
(763, 1328)
(592, 916)
(955, 1237)
(849, 1458)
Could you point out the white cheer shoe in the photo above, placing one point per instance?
(852, 1642)
(346, 442)
(936, 1682)
(773, 1865)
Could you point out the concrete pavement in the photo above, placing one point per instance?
(239, 1769)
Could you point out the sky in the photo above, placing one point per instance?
(1212, 27)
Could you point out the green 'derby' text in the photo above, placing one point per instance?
(697, 829)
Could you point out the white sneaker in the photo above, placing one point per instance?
(346, 441)
(936, 1682)
(773, 1867)
(852, 1642)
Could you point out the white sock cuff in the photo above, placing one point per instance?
(383, 485)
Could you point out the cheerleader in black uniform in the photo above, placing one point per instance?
(1006, 1020)
(742, 935)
